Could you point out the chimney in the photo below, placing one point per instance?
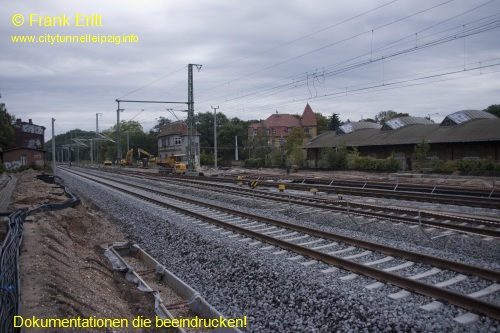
(30, 122)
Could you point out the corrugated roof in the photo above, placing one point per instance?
(352, 127)
(460, 117)
(474, 131)
(396, 123)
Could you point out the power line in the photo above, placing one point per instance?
(304, 79)
(335, 43)
(305, 36)
(147, 85)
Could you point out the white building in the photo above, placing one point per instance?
(173, 140)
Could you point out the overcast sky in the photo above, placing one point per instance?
(350, 57)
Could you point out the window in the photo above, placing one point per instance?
(254, 132)
(24, 160)
(267, 131)
(177, 141)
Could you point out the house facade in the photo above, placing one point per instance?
(173, 140)
(278, 126)
(28, 147)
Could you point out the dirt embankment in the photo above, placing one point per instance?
(64, 273)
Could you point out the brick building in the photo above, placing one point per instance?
(28, 147)
(277, 126)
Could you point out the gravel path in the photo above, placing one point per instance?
(279, 295)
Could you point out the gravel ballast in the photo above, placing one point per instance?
(279, 295)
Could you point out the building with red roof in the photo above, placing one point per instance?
(278, 126)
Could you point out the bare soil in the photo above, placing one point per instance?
(64, 273)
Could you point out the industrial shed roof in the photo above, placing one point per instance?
(460, 117)
(396, 123)
(353, 127)
(472, 131)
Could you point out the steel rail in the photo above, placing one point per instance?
(411, 192)
(462, 200)
(395, 185)
(452, 297)
(341, 206)
(409, 255)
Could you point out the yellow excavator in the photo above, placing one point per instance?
(151, 158)
(128, 158)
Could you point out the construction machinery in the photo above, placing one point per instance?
(128, 158)
(175, 163)
(151, 158)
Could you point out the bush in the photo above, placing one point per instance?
(254, 162)
(207, 158)
(297, 157)
(390, 164)
(334, 158)
(365, 163)
(470, 167)
(276, 159)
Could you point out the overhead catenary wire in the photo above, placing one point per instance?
(480, 27)
(300, 38)
(338, 42)
(312, 79)
(153, 82)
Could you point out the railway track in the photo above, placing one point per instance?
(318, 245)
(446, 223)
(437, 193)
(473, 197)
(398, 184)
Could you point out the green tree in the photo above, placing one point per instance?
(205, 126)
(494, 110)
(226, 139)
(334, 157)
(6, 129)
(136, 139)
(334, 123)
(160, 123)
(76, 143)
(295, 139)
(384, 116)
(322, 123)
(259, 144)
(420, 154)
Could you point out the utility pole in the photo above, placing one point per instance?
(128, 141)
(97, 142)
(190, 114)
(118, 143)
(53, 150)
(236, 149)
(215, 137)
